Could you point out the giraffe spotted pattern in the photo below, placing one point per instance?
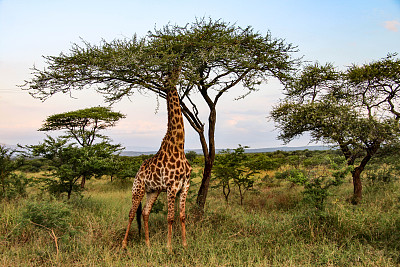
(168, 170)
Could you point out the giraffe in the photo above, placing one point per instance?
(168, 170)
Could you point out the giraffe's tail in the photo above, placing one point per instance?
(139, 217)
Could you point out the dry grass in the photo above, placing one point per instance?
(272, 228)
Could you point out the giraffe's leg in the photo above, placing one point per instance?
(137, 195)
(171, 194)
(150, 199)
(182, 203)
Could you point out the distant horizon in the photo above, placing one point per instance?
(154, 149)
(143, 149)
(248, 150)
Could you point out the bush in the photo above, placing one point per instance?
(191, 156)
(49, 214)
(11, 184)
(14, 185)
(295, 176)
(237, 168)
(35, 165)
(316, 185)
(384, 175)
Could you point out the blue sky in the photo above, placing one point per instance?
(341, 32)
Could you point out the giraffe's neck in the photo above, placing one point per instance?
(175, 136)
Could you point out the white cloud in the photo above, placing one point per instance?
(392, 25)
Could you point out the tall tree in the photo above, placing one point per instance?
(83, 126)
(357, 110)
(212, 57)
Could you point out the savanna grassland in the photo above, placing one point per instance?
(275, 226)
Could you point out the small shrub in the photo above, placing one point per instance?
(295, 176)
(48, 214)
(316, 186)
(270, 181)
(384, 175)
(236, 168)
(11, 184)
(191, 156)
(14, 185)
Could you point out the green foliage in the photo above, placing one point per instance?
(385, 168)
(49, 214)
(200, 48)
(98, 159)
(191, 156)
(295, 176)
(11, 183)
(83, 126)
(382, 174)
(158, 207)
(126, 167)
(276, 233)
(316, 185)
(14, 185)
(235, 167)
(34, 165)
(268, 163)
(356, 109)
(316, 189)
(69, 163)
(276, 226)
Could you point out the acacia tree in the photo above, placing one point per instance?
(356, 110)
(210, 58)
(83, 126)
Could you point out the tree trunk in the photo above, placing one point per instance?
(209, 157)
(69, 192)
(241, 195)
(205, 183)
(83, 181)
(357, 194)
(356, 173)
(208, 150)
(226, 190)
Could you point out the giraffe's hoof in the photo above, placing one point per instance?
(124, 243)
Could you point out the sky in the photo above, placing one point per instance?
(342, 32)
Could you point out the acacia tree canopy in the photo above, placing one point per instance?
(83, 125)
(210, 57)
(214, 54)
(357, 110)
